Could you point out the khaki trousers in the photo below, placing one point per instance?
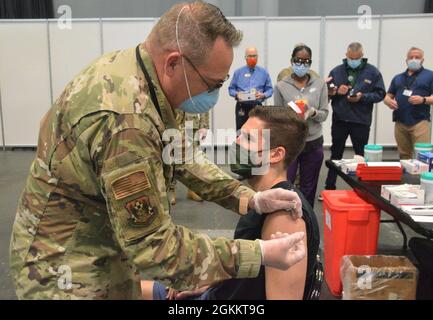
(407, 136)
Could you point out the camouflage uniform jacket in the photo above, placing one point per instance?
(200, 121)
(94, 212)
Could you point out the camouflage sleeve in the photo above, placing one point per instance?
(204, 121)
(132, 182)
(212, 184)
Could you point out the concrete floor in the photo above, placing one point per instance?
(203, 217)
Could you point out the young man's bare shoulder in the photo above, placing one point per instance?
(282, 222)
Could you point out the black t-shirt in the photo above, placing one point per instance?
(250, 227)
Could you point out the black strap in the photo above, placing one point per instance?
(408, 85)
(149, 81)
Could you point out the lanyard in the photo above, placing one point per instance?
(151, 90)
(149, 81)
(414, 76)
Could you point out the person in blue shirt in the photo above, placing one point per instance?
(410, 96)
(358, 85)
(249, 79)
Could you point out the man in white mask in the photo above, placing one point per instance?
(410, 96)
(94, 212)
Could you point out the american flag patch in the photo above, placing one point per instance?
(130, 184)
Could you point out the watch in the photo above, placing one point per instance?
(424, 100)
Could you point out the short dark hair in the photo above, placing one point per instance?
(302, 47)
(287, 129)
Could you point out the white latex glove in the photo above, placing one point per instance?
(278, 199)
(310, 113)
(283, 250)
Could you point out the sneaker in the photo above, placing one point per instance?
(320, 198)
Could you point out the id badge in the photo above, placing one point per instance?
(407, 92)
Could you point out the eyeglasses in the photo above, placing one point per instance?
(216, 86)
(300, 61)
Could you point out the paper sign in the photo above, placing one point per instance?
(328, 220)
(294, 106)
(407, 93)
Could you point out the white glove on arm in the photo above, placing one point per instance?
(283, 250)
(278, 199)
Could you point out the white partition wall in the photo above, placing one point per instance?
(2, 144)
(399, 33)
(223, 116)
(124, 33)
(37, 59)
(339, 33)
(72, 50)
(283, 35)
(24, 79)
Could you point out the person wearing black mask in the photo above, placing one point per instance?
(264, 163)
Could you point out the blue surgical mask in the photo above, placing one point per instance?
(201, 103)
(414, 64)
(300, 69)
(354, 63)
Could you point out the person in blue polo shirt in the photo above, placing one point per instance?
(251, 85)
(358, 86)
(410, 96)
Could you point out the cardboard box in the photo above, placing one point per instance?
(424, 210)
(349, 168)
(387, 189)
(378, 278)
(413, 166)
(426, 157)
(402, 198)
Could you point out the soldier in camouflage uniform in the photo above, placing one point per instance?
(200, 125)
(94, 211)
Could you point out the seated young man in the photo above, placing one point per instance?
(287, 138)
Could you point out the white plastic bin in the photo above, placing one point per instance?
(422, 147)
(427, 185)
(373, 153)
